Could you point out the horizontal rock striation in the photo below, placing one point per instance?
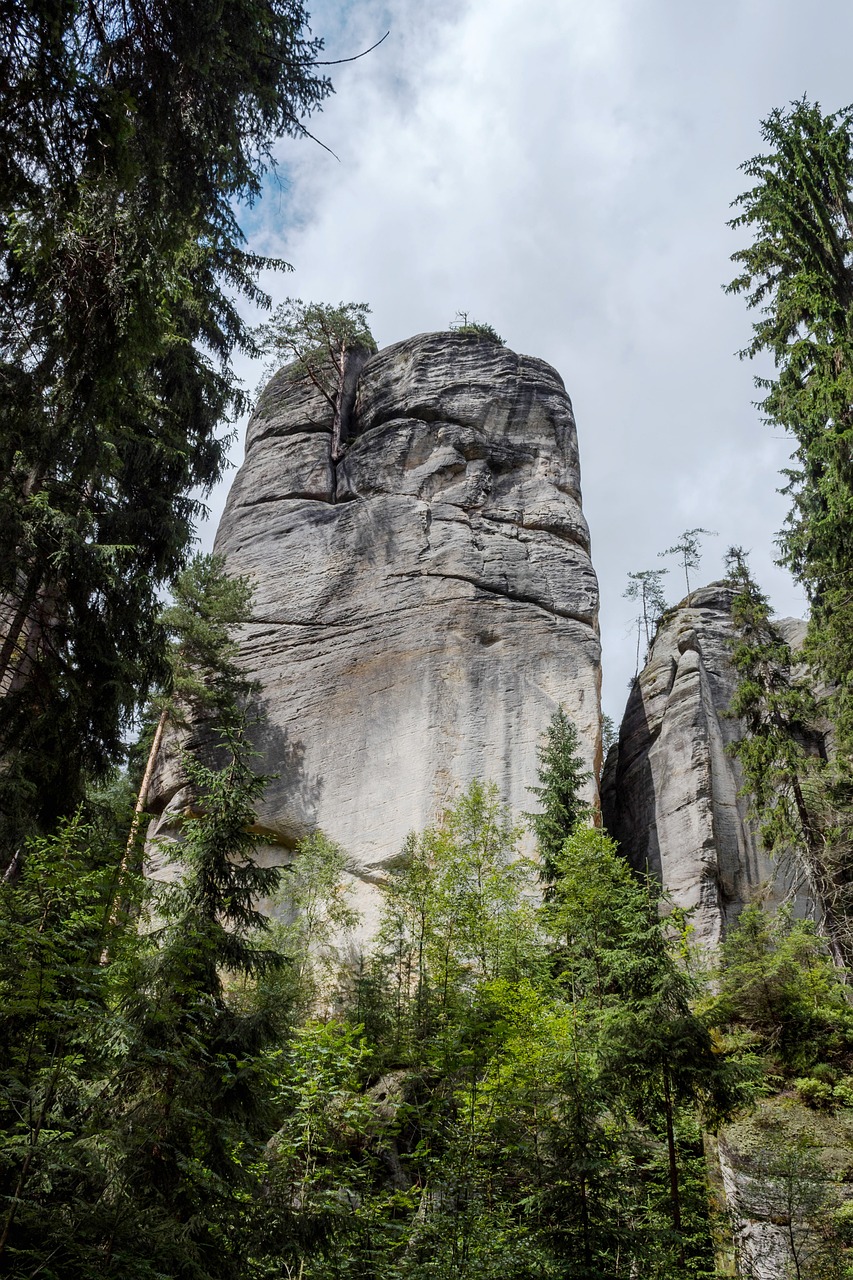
(671, 790)
(422, 605)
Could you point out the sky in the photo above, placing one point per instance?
(564, 170)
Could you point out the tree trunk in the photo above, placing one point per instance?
(339, 426)
(674, 1194)
(137, 816)
(17, 625)
(833, 929)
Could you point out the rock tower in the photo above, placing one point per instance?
(671, 790)
(424, 603)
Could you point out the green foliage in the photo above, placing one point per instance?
(315, 337)
(798, 273)
(135, 1084)
(60, 1046)
(687, 548)
(207, 605)
(318, 340)
(476, 329)
(313, 919)
(793, 788)
(130, 135)
(459, 910)
(813, 1092)
(802, 1153)
(476, 1120)
(194, 1079)
(777, 981)
(646, 586)
(562, 775)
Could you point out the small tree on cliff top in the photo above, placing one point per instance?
(646, 587)
(319, 338)
(687, 548)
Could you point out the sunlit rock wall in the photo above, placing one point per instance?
(671, 789)
(422, 605)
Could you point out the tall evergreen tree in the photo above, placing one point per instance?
(562, 776)
(129, 134)
(135, 1078)
(798, 271)
(655, 1055)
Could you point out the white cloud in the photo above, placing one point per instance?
(565, 172)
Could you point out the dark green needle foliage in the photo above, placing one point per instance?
(207, 605)
(129, 133)
(797, 793)
(562, 776)
(194, 1068)
(797, 272)
(61, 1043)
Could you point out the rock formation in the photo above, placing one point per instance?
(784, 1167)
(422, 605)
(670, 791)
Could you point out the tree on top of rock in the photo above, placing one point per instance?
(687, 548)
(320, 339)
(646, 587)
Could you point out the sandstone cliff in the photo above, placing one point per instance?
(422, 605)
(670, 791)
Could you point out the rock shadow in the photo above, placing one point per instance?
(628, 795)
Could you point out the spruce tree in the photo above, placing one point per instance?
(193, 1081)
(130, 133)
(562, 775)
(655, 1056)
(798, 273)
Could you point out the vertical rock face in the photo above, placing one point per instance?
(424, 604)
(784, 1168)
(670, 792)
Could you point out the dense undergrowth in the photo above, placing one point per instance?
(501, 1087)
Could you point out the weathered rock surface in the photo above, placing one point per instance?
(424, 604)
(670, 791)
(784, 1169)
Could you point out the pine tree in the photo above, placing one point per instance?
(646, 586)
(687, 550)
(320, 340)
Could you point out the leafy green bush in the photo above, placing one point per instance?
(777, 980)
(475, 328)
(814, 1093)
